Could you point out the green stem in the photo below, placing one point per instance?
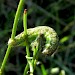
(27, 46)
(28, 55)
(31, 67)
(31, 63)
(44, 72)
(29, 60)
(19, 9)
(25, 21)
(5, 59)
(26, 69)
(25, 31)
(13, 34)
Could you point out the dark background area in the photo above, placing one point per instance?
(58, 14)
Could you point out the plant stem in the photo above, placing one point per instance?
(31, 67)
(27, 46)
(13, 34)
(25, 21)
(26, 69)
(5, 59)
(31, 63)
(43, 70)
(25, 31)
(19, 9)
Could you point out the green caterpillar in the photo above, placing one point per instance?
(42, 36)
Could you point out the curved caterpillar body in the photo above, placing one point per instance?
(42, 36)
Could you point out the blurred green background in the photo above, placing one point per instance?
(58, 14)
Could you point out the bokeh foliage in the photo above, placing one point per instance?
(58, 14)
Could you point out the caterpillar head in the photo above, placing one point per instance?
(52, 47)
